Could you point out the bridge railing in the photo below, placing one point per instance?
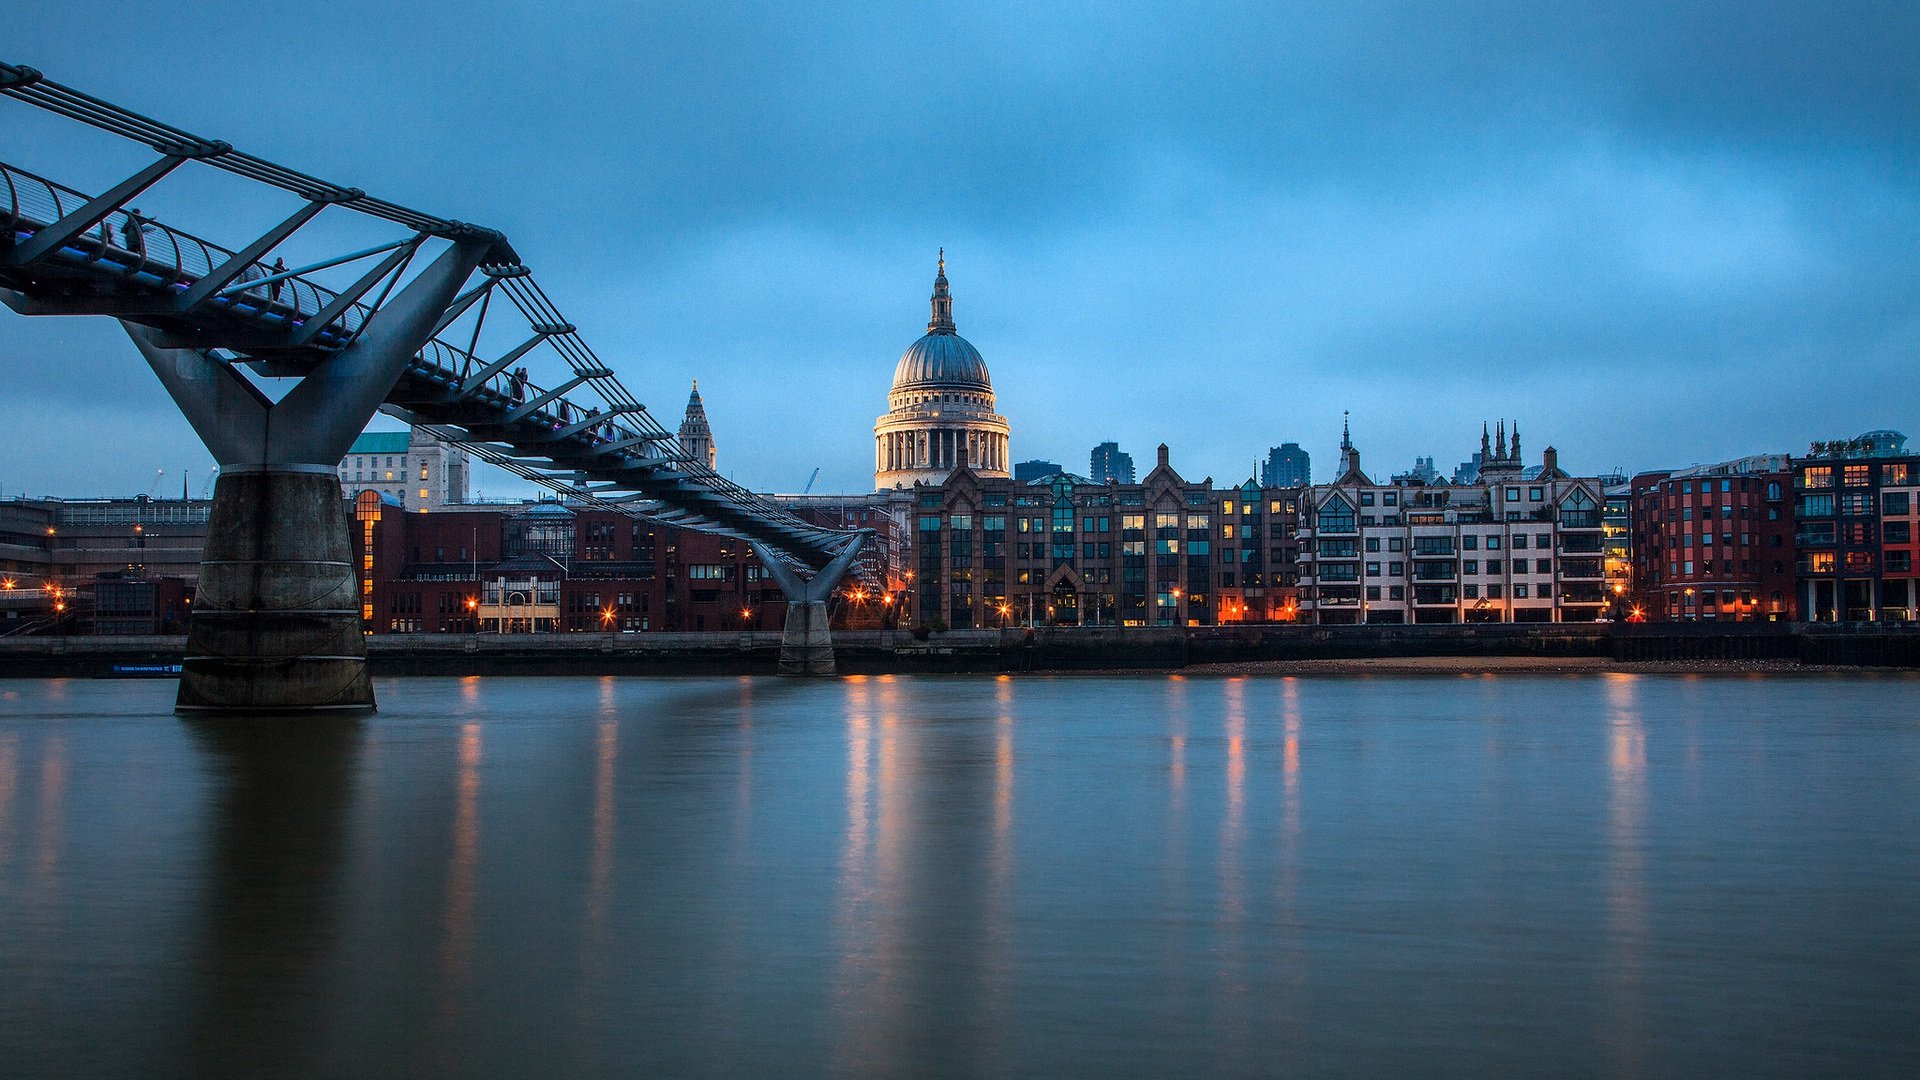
(174, 260)
(169, 257)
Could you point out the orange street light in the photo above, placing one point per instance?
(746, 613)
(7, 584)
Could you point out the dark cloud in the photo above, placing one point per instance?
(1641, 227)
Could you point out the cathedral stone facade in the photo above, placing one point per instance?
(940, 412)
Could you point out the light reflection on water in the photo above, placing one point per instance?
(1612, 875)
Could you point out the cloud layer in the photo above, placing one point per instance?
(1653, 237)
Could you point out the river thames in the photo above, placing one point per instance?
(1617, 875)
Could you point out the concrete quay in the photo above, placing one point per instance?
(1014, 650)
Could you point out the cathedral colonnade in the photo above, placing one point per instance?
(941, 448)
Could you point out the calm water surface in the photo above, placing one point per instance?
(1579, 876)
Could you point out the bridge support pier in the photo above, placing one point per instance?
(806, 645)
(277, 617)
(276, 622)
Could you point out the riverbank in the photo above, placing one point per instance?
(1465, 666)
(1286, 650)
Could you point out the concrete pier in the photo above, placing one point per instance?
(276, 623)
(806, 648)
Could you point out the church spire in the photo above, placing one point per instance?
(696, 437)
(1500, 442)
(942, 321)
(1514, 449)
(1346, 439)
(1486, 444)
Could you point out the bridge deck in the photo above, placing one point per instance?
(145, 271)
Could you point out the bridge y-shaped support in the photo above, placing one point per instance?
(806, 647)
(277, 619)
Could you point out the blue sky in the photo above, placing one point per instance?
(1654, 238)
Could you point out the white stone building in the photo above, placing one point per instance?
(418, 470)
(1523, 544)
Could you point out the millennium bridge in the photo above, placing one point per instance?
(440, 324)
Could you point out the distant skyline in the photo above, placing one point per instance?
(1654, 237)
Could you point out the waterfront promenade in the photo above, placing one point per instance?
(1590, 646)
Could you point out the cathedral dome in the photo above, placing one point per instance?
(941, 360)
(940, 411)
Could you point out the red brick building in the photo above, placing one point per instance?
(1715, 542)
(554, 568)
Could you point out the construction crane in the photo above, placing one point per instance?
(207, 487)
(810, 480)
(155, 486)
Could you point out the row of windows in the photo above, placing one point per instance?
(1854, 504)
(1856, 475)
(1444, 594)
(1345, 572)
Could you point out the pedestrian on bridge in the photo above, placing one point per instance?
(273, 287)
(133, 232)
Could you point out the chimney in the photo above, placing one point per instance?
(1550, 460)
(1163, 455)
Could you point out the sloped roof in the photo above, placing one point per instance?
(381, 442)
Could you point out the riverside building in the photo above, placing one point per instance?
(1522, 544)
(989, 552)
(1856, 510)
(1714, 542)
